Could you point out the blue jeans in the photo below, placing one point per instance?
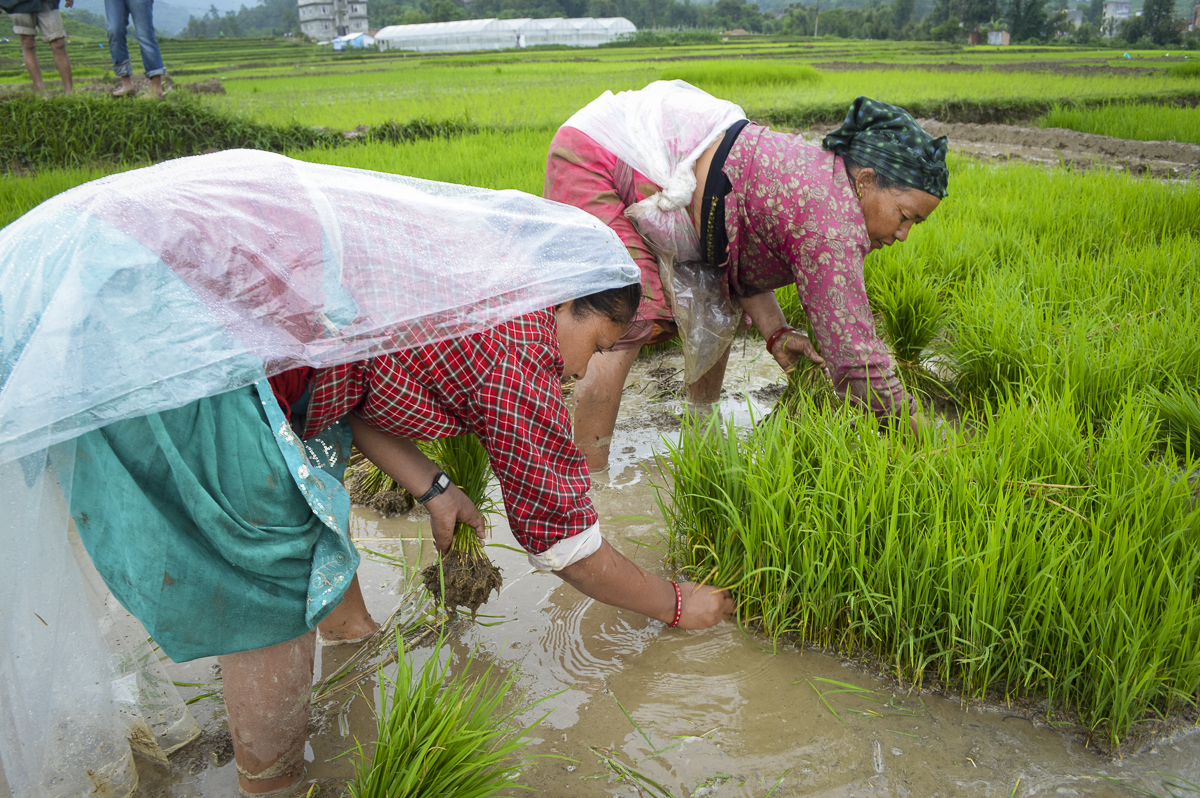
(117, 14)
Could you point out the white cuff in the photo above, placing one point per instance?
(568, 550)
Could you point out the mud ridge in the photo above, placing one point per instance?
(1057, 67)
(1165, 160)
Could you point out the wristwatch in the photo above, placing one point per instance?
(440, 483)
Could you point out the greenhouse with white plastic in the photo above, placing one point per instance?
(498, 34)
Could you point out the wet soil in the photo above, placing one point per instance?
(459, 579)
(1058, 147)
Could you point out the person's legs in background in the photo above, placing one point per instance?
(116, 15)
(142, 12)
(29, 54)
(63, 64)
(597, 401)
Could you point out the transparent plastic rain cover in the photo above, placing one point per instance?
(150, 289)
(145, 290)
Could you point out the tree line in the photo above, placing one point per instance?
(1026, 21)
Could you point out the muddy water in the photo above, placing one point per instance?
(713, 713)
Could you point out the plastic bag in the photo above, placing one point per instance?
(661, 131)
(150, 289)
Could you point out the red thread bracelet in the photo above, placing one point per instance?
(678, 605)
(775, 336)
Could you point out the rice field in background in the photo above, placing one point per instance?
(543, 94)
(1130, 122)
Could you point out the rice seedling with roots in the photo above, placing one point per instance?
(464, 576)
(442, 734)
(370, 487)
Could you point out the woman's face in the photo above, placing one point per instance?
(581, 337)
(891, 212)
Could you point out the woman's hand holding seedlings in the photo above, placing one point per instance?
(792, 348)
(404, 462)
(704, 605)
(449, 509)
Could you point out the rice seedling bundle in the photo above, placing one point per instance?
(369, 486)
(1027, 557)
(464, 575)
(442, 734)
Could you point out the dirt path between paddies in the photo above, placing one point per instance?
(1165, 160)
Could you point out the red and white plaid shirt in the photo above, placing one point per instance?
(504, 386)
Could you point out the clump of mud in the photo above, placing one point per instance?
(469, 579)
(384, 502)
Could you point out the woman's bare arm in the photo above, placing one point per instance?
(610, 578)
(768, 317)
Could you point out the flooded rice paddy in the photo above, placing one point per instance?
(704, 714)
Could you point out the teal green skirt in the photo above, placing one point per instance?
(214, 525)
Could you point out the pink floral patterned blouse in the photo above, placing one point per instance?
(792, 217)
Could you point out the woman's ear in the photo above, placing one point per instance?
(864, 181)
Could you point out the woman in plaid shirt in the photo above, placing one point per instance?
(504, 386)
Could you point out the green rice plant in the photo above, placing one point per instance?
(1178, 410)
(443, 733)
(1145, 122)
(1024, 556)
(1188, 69)
(912, 314)
(717, 75)
(464, 575)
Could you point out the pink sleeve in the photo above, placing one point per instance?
(829, 277)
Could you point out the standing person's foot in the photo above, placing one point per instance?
(157, 87)
(126, 88)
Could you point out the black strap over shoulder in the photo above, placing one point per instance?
(713, 237)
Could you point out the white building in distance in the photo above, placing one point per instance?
(1114, 12)
(497, 34)
(326, 19)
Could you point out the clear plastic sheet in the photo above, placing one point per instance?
(150, 289)
(661, 131)
(60, 732)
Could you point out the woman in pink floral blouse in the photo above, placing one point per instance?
(793, 212)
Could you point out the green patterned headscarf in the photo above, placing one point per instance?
(890, 141)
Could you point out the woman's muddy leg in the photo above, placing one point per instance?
(597, 400)
(349, 620)
(707, 389)
(267, 693)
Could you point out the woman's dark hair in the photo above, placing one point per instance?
(882, 181)
(616, 304)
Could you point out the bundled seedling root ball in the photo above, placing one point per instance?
(469, 580)
(370, 487)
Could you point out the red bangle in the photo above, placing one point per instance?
(678, 605)
(775, 336)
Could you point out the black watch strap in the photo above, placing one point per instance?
(440, 483)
